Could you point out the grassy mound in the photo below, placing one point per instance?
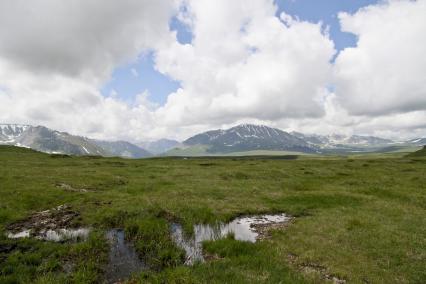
(420, 153)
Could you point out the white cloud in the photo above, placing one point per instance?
(80, 38)
(244, 62)
(386, 72)
(55, 55)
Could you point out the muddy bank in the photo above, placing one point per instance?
(123, 258)
(314, 268)
(249, 228)
(68, 187)
(56, 224)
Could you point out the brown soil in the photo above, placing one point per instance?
(263, 230)
(61, 217)
(310, 268)
(68, 187)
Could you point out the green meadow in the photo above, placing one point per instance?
(360, 219)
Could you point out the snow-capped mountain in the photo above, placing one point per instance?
(10, 132)
(46, 140)
(417, 141)
(247, 137)
(336, 140)
(241, 138)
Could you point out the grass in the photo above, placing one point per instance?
(419, 153)
(360, 218)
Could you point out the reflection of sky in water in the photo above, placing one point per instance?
(123, 257)
(241, 228)
(54, 235)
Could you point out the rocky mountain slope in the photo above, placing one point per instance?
(336, 140)
(239, 139)
(248, 137)
(122, 149)
(43, 139)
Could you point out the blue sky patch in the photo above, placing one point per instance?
(133, 79)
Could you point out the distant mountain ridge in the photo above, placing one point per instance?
(159, 146)
(240, 140)
(417, 141)
(248, 137)
(122, 149)
(334, 140)
(43, 139)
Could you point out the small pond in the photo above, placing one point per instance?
(243, 228)
(57, 235)
(123, 258)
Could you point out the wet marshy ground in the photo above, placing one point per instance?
(56, 224)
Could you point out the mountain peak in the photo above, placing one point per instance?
(248, 137)
(250, 126)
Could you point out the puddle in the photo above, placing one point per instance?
(49, 225)
(123, 258)
(250, 228)
(22, 234)
(64, 234)
(53, 235)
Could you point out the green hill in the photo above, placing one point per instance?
(419, 153)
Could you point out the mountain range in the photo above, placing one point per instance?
(242, 139)
(43, 139)
(248, 139)
(159, 146)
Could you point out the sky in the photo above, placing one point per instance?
(141, 70)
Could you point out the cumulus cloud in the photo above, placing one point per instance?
(55, 55)
(386, 72)
(244, 62)
(82, 37)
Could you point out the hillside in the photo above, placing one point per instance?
(419, 153)
(46, 140)
(122, 149)
(248, 137)
(159, 146)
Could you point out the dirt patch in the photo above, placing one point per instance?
(263, 230)
(211, 257)
(314, 268)
(68, 187)
(55, 224)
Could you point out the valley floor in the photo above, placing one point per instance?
(356, 219)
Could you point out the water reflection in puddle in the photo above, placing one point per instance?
(243, 229)
(123, 258)
(57, 235)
